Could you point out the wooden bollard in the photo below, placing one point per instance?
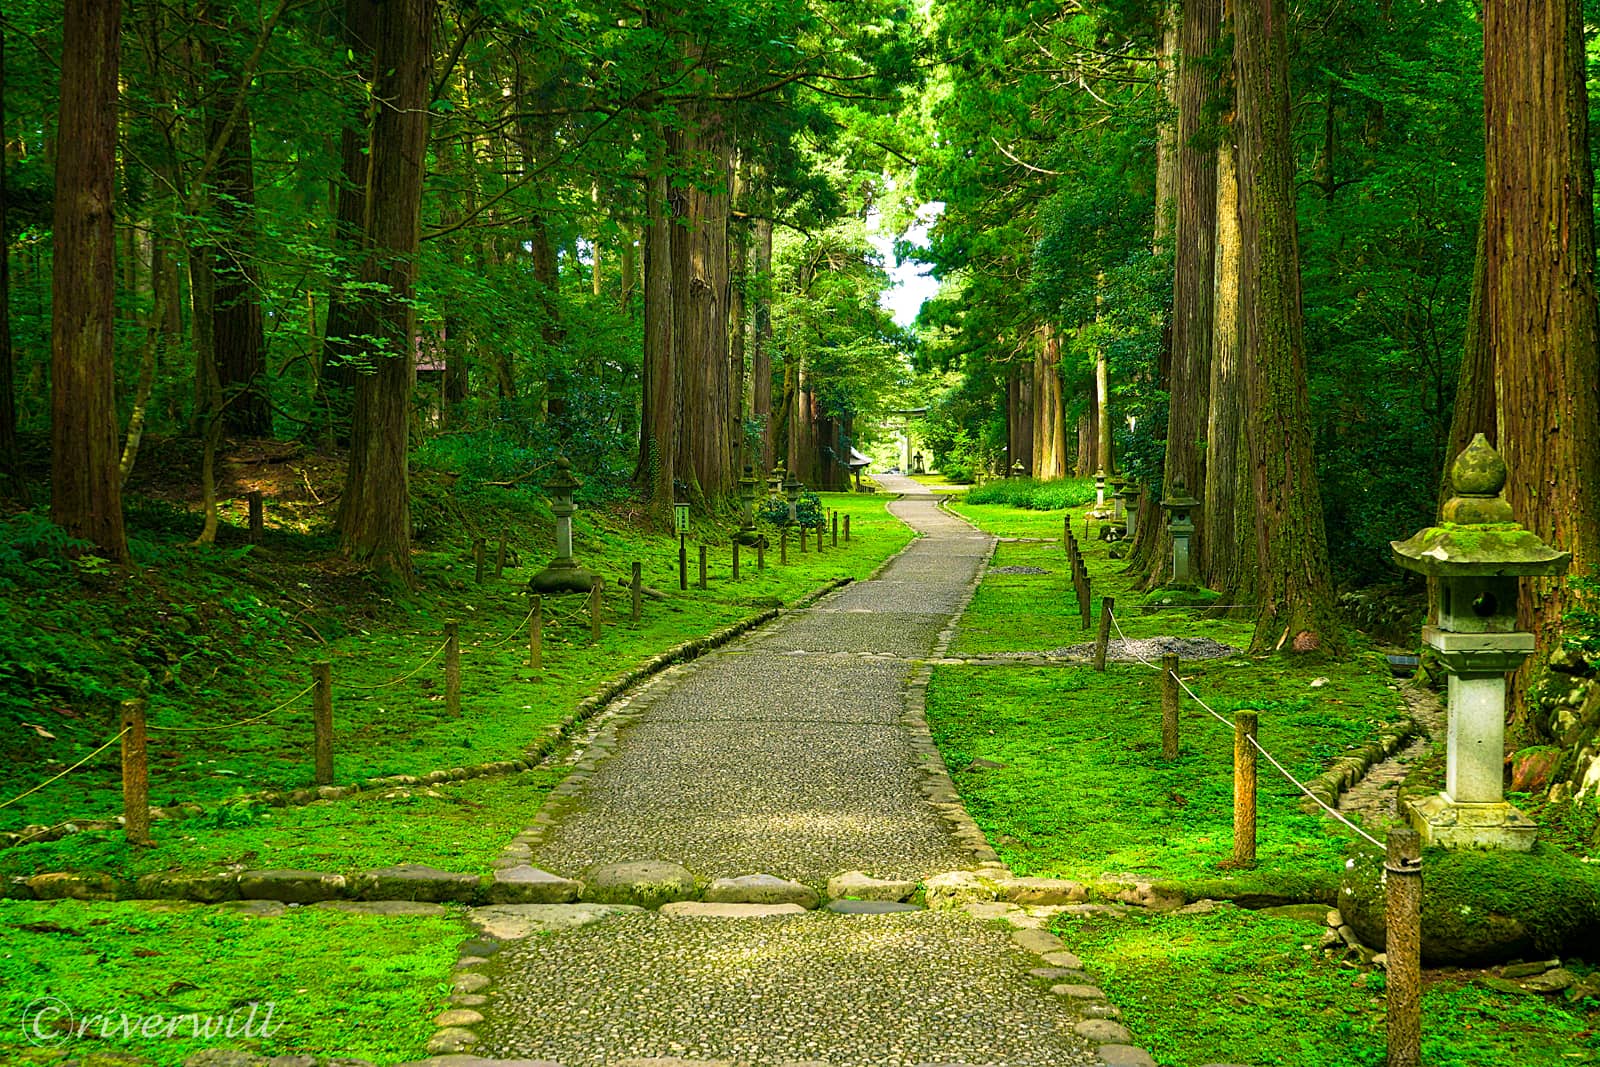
(257, 517)
(821, 531)
(500, 557)
(1103, 639)
(836, 529)
(761, 555)
(736, 561)
(135, 775)
(536, 633)
(683, 562)
(702, 566)
(452, 670)
(1403, 919)
(1085, 599)
(477, 558)
(1066, 532)
(847, 529)
(596, 607)
(1244, 789)
(322, 722)
(803, 531)
(1169, 706)
(636, 585)
(783, 546)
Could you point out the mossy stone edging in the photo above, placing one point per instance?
(1348, 770)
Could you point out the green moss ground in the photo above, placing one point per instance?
(1083, 791)
(338, 984)
(1266, 998)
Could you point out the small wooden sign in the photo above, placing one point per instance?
(680, 518)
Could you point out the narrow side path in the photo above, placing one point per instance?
(784, 754)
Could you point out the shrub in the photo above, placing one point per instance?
(1034, 495)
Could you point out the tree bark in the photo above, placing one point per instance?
(1222, 560)
(86, 493)
(236, 304)
(1537, 313)
(1296, 607)
(12, 484)
(1189, 378)
(375, 510)
(1166, 130)
(761, 338)
(1049, 422)
(658, 423)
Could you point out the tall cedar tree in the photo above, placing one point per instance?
(86, 493)
(375, 512)
(1194, 272)
(1296, 606)
(11, 483)
(1536, 308)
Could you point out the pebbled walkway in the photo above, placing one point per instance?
(784, 754)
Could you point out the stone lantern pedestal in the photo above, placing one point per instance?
(1178, 504)
(1128, 504)
(1477, 553)
(791, 492)
(747, 508)
(1099, 488)
(563, 575)
(1116, 483)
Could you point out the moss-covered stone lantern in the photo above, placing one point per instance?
(1100, 488)
(1115, 484)
(791, 493)
(747, 507)
(1178, 504)
(1477, 553)
(1017, 470)
(775, 482)
(563, 575)
(1128, 499)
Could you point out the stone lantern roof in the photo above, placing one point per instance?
(1478, 536)
(1180, 500)
(564, 481)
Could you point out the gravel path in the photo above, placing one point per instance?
(784, 754)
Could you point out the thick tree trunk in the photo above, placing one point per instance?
(1296, 608)
(12, 484)
(1226, 451)
(236, 305)
(1189, 377)
(86, 493)
(1537, 314)
(375, 510)
(761, 340)
(659, 415)
(208, 389)
(1049, 423)
(1166, 131)
(1088, 459)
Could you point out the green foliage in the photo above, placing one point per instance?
(1033, 494)
(808, 510)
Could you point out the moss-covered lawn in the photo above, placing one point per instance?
(1082, 790)
(1237, 986)
(334, 983)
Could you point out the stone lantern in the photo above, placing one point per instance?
(1116, 482)
(791, 492)
(1128, 497)
(775, 481)
(1178, 504)
(1100, 488)
(1017, 470)
(747, 507)
(1477, 553)
(563, 575)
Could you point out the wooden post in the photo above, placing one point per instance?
(1085, 598)
(761, 555)
(452, 670)
(683, 562)
(257, 516)
(836, 529)
(536, 634)
(821, 532)
(803, 530)
(1066, 532)
(1169, 706)
(500, 557)
(596, 608)
(847, 529)
(736, 560)
(702, 566)
(1244, 789)
(1403, 918)
(637, 586)
(322, 722)
(135, 775)
(1107, 603)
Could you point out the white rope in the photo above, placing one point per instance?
(1128, 645)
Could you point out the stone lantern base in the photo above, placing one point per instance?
(561, 576)
(748, 537)
(1444, 823)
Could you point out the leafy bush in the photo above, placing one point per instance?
(1033, 494)
(775, 509)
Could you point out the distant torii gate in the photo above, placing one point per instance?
(903, 428)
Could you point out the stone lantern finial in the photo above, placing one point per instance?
(1478, 479)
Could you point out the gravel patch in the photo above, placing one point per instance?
(1150, 649)
(889, 990)
(1018, 570)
